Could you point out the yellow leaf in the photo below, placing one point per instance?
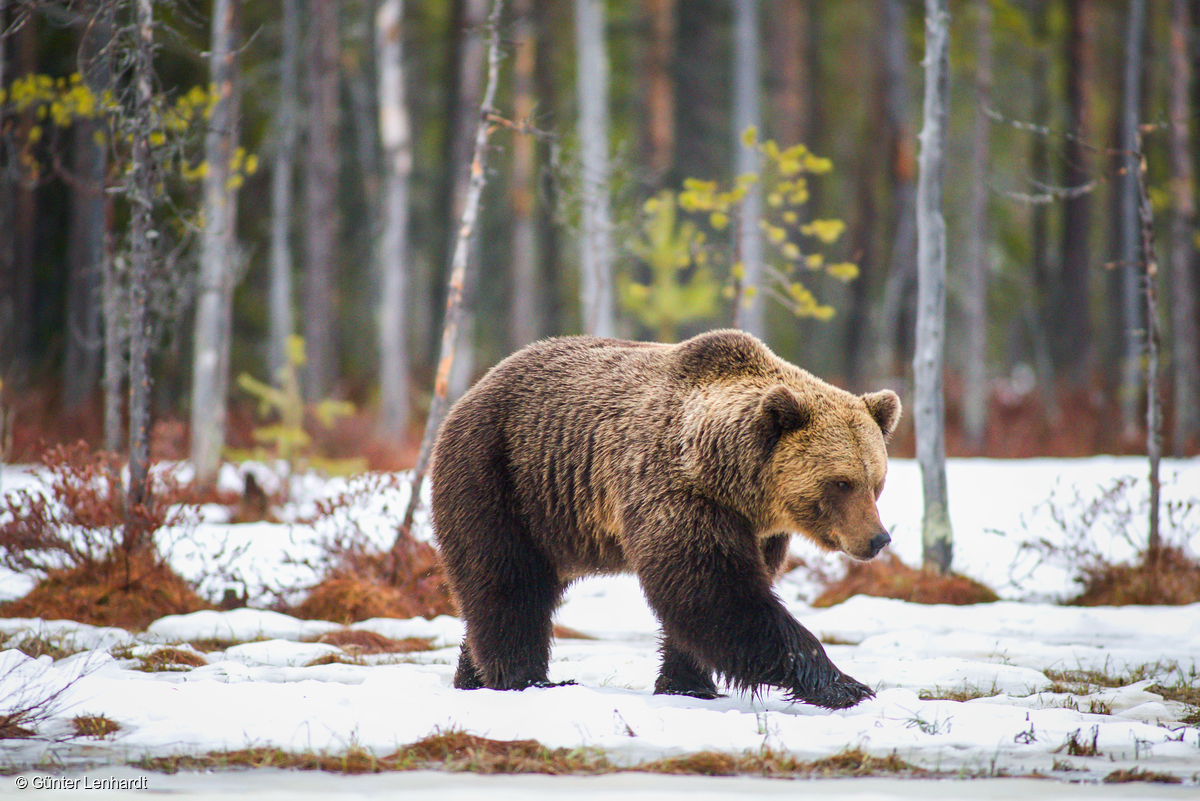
(718, 220)
(843, 271)
(825, 230)
(750, 136)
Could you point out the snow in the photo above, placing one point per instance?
(265, 690)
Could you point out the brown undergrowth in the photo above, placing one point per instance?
(888, 577)
(361, 581)
(1084, 525)
(95, 568)
(1169, 577)
(128, 592)
(457, 751)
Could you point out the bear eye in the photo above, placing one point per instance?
(844, 486)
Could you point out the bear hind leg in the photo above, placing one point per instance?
(680, 674)
(509, 626)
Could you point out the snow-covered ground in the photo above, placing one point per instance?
(261, 693)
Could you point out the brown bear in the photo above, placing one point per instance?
(689, 465)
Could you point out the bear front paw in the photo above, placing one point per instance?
(841, 693)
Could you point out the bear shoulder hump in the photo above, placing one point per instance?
(722, 353)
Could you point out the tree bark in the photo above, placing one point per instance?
(279, 293)
(458, 277)
(975, 317)
(789, 84)
(595, 259)
(218, 251)
(524, 308)
(1130, 391)
(898, 293)
(88, 227)
(396, 137)
(659, 88)
(142, 185)
(1075, 347)
(16, 243)
(1184, 329)
(929, 402)
(323, 169)
(750, 315)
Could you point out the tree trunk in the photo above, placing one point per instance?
(929, 400)
(659, 88)
(458, 277)
(595, 256)
(975, 317)
(16, 250)
(116, 335)
(896, 310)
(1131, 287)
(89, 222)
(1186, 334)
(750, 315)
(1149, 270)
(218, 251)
(396, 137)
(142, 180)
(789, 84)
(555, 298)
(524, 308)
(1075, 349)
(323, 168)
(280, 290)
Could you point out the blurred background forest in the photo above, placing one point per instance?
(337, 136)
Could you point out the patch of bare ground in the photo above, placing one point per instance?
(888, 577)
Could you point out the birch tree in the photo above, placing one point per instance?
(396, 138)
(929, 402)
(750, 314)
(280, 284)
(595, 256)
(218, 250)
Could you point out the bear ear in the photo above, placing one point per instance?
(884, 406)
(783, 411)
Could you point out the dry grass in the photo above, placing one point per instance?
(1135, 775)
(888, 577)
(11, 728)
(457, 751)
(128, 592)
(1169, 577)
(368, 642)
(96, 726)
(168, 659)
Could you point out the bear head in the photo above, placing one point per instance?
(827, 465)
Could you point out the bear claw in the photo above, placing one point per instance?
(841, 693)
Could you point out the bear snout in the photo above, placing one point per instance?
(878, 541)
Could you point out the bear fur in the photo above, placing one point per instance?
(689, 465)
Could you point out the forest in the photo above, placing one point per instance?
(253, 210)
